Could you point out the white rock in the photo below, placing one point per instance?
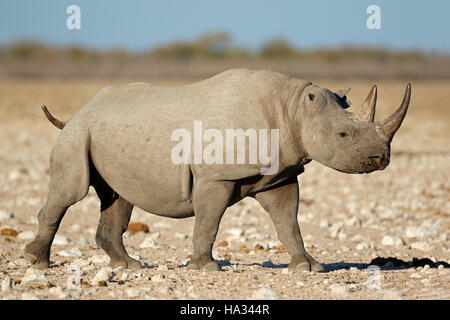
(265, 294)
(80, 263)
(392, 241)
(16, 174)
(83, 241)
(162, 224)
(162, 267)
(364, 245)
(58, 291)
(158, 278)
(336, 229)
(74, 252)
(34, 277)
(354, 221)
(421, 246)
(132, 293)
(324, 223)
(7, 283)
(285, 271)
(6, 215)
(21, 262)
(390, 294)
(300, 283)
(75, 227)
(27, 235)
(99, 259)
(148, 242)
(29, 296)
(135, 257)
(61, 240)
(235, 232)
(427, 229)
(416, 275)
(105, 274)
(339, 290)
(180, 235)
(357, 238)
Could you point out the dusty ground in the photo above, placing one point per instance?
(346, 220)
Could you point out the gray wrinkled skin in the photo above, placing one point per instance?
(119, 143)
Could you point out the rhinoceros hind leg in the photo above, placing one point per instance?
(69, 183)
(114, 219)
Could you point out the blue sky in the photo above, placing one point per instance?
(139, 24)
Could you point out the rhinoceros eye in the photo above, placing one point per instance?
(311, 97)
(343, 134)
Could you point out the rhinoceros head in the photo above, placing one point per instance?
(346, 141)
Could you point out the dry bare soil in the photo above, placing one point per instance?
(347, 220)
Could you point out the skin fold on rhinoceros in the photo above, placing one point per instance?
(120, 143)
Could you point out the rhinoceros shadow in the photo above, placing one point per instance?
(390, 263)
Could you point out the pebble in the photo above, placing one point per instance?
(83, 241)
(354, 221)
(158, 278)
(336, 229)
(105, 274)
(149, 242)
(34, 277)
(58, 291)
(300, 283)
(6, 215)
(7, 284)
(390, 294)
(339, 290)
(392, 241)
(61, 240)
(425, 230)
(235, 232)
(80, 263)
(324, 223)
(265, 294)
(29, 296)
(162, 224)
(364, 245)
(132, 292)
(421, 246)
(180, 235)
(17, 174)
(99, 259)
(75, 252)
(27, 235)
(21, 262)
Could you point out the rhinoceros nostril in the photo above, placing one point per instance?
(378, 159)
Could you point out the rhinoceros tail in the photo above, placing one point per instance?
(57, 123)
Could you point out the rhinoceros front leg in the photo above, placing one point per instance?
(282, 205)
(210, 200)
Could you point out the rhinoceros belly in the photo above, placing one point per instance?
(136, 163)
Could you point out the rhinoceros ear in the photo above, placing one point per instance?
(341, 98)
(343, 93)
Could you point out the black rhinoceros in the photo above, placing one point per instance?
(121, 143)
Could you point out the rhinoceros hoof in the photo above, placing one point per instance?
(36, 256)
(306, 266)
(210, 266)
(126, 264)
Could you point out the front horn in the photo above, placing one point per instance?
(389, 126)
